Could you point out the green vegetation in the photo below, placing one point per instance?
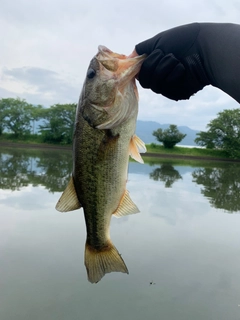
(59, 123)
(223, 133)
(18, 124)
(27, 138)
(169, 137)
(195, 152)
(16, 116)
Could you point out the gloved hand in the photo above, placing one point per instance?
(174, 66)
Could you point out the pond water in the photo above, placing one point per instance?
(182, 250)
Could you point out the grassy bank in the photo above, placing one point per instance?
(27, 139)
(153, 150)
(30, 143)
(183, 151)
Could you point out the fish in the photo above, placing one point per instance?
(104, 138)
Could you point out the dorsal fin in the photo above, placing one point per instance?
(126, 206)
(136, 146)
(68, 200)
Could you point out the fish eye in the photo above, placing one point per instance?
(91, 73)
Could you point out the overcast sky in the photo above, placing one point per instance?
(46, 46)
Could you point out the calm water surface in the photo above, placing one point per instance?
(185, 241)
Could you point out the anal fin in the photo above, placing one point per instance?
(126, 206)
(68, 200)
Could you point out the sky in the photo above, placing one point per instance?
(46, 47)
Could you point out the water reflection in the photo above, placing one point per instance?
(19, 168)
(176, 242)
(220, 185)
(166, 173)
(51, 169)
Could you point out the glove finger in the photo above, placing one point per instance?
(148, 67)
(176, 75)
(169, 69)
(174, 85)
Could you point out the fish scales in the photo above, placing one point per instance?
(103, 139)
(105, 171)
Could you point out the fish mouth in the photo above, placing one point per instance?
(102, 50)
(120, 71)
(122, 68)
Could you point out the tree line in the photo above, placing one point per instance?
(18, 119)
(223, 133)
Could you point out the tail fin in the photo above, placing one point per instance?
(98, 263)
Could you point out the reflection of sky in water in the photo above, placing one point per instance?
(188, 248)
(172, 203)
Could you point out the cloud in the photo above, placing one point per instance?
(42, 85)
(41, 78)
(196, 112)
(57, 39)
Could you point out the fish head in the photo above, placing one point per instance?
(105, 96)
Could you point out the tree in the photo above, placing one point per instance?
(223, 133)
(3, 107)
(59, 123)
(37, 113)
(16, 116)
(169, 137)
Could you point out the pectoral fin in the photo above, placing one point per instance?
(68, 200)
(136, 146)
(126, 206)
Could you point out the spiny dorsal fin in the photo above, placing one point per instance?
(136, 146)
(126, 206)
(68, 200)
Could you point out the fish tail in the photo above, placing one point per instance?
(100, 262)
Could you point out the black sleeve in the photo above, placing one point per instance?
(182, 60)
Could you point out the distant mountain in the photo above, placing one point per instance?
(145, 129)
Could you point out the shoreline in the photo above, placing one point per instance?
(147, 154)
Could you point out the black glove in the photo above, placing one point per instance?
(174, 66)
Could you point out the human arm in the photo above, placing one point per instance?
(182, 60)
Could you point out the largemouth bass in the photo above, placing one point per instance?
(104, 137)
